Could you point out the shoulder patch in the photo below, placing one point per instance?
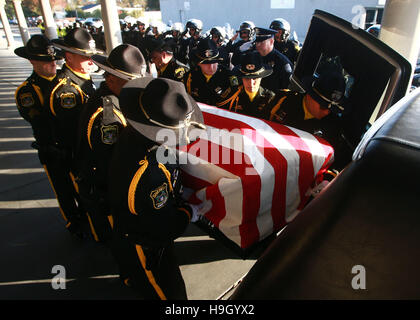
(234, 81)
(68, 100)
(179, 73)
(109, 134)
(26, 99)
(160, 196)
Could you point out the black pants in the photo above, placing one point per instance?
(64, 188)
(154, 273)
(97, 211)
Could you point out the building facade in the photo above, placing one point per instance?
(262, 12)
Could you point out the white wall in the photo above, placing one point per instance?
(218, 12)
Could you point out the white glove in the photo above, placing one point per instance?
(195, 211)
(246, 46)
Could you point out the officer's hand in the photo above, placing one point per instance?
(235, 36)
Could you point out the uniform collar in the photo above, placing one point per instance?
(252, 95)
(85, 76)
(207, 77)
(47, 78)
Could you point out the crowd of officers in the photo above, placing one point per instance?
(99, 145)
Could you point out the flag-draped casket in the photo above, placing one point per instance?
(249, 176)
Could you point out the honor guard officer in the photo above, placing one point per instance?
(318, 111)
(30, 97)
(282, 67)
(145, 185)
(162, 55)
(69, 92)
(211, 83)
(282, 42)
(252, 99)
(101, 123)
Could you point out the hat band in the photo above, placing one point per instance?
(67, 48)
(131, 75)
(207, 58)
(334, 103)
(253, 73)
(43, 55)
(184, 125)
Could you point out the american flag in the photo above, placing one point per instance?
(250, 176)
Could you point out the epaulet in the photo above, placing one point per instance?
(180, 64)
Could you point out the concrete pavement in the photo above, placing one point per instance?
(33, 238)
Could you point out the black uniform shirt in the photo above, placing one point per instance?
(68, 95)
(97, 135)
(259, 107)
(144, 194)
(174, 70)
(30, 97)
(289, 48)
(282, 71)
(218, 91)
(290, 111)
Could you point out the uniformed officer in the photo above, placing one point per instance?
(218, 35)
(69, 92)
(101, 122)
(188, 45)
(318, 111)
(252, 99)
(246, 34)
(30, 97)
(145, 185)
(211, 83)
(162, 55)
(282, 43)
(282, 67)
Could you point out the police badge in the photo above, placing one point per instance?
(51, 51)
(336, 95)
(68, 100)
(109, 134)
(26, 99)
(160, 196)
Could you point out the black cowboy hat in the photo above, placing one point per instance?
(125, 61)
(167, 44)
(78, 41)
(152, 105)
(328, 89)
(207, 52)
(262, 34)
(39, 48)
(251, 66)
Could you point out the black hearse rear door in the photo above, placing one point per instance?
(376, 75)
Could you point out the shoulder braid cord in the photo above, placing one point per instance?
(62, 82)
(24, 83)
(93, 118)
(135, 181)
(234, 98)
(276, 108)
